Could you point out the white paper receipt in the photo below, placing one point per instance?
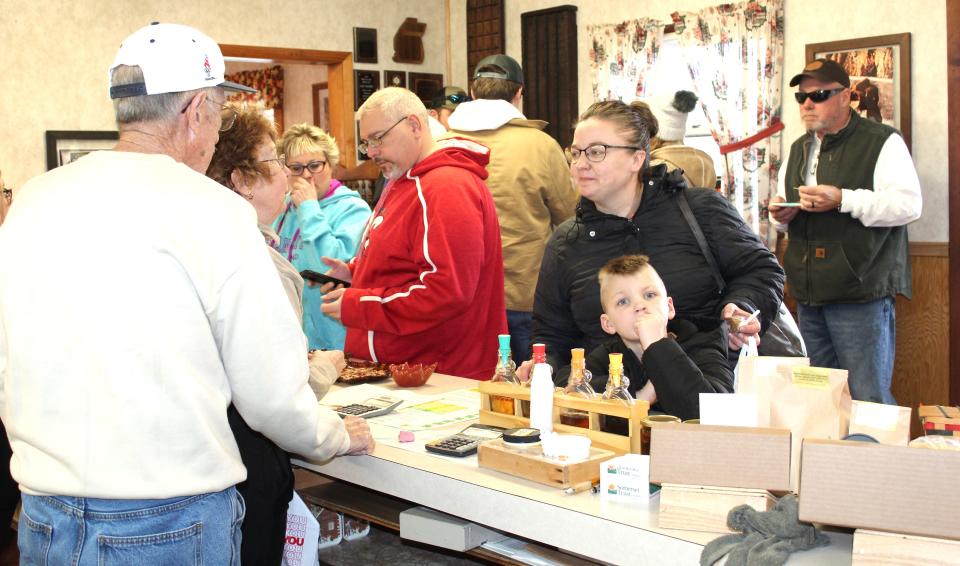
(876, 415)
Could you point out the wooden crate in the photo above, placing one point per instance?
(617, 443)
(875, 547)
(705, 508)
(532, 465)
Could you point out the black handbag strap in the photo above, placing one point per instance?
(701, 239)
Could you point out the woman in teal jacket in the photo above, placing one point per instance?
(321, 217)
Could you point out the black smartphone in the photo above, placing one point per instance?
(322, 278)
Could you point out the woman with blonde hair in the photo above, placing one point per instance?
(321, 217)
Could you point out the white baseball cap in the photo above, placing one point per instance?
(173, 58)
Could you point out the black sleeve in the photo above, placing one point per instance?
(754, 278)
(680, 374)
(553, 323)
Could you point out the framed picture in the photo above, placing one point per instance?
(879, 69)
(364, 45)
(321, 106)
(425, 85)
(395, 78)
(66, 146)
(365, 83)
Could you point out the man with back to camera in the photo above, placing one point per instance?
(529, 179)
(847, 256)
(427, 281)
(119, 359)
(442, 106)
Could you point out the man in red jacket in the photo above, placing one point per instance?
(427, 280)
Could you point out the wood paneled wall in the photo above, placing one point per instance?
(921, 373)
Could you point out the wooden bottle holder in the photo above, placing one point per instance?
(617, 443)
(874, 547)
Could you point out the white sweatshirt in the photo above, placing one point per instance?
(137, 300)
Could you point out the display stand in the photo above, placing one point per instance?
(705, 508)
(595, 408)
(875, 547)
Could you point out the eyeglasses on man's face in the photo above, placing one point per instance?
(595, 152)
(817, 96)
(228, 115)
(313, 167)
(376, 141)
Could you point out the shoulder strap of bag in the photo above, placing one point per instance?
(701, 240)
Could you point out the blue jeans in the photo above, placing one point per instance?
(198, 529)
(858, 337)
(520, 326)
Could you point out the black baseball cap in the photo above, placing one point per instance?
(512, 70)
(825, 70)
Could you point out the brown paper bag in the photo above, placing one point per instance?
(889, 424)
(811, 402)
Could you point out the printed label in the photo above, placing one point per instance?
(814, 378)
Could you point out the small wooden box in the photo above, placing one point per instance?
(705, 508)
(596, 408)
(875, 547)
(530, 464)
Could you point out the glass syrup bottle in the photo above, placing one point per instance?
(578, 385)
(617, 391)
(506, 372)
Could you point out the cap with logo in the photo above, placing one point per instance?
(173, 58)
(824, 70)
(450, 97)
(512, 70)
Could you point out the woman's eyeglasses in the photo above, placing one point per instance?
(278, 160)
(817, 96)
(595, 153)
(314, 167)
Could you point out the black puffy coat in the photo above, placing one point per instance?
(566, 309)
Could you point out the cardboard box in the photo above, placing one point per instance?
(885, 488)
(446, 531)
(722, 456)
(940, 420)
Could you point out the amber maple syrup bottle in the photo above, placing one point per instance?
(617, 391)
(578, 385)
(506, 372)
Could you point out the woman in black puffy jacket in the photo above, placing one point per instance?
(627, 207)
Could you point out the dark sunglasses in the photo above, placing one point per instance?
(817, 96)
(457, 98)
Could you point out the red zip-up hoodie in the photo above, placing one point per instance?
(428, 277)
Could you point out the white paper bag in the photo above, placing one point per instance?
(303, 532)
(747, 350)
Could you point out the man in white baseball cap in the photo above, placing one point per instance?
(137, 301)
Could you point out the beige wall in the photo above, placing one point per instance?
(815, 21)
(56, 53)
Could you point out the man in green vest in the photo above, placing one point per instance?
(845, 194)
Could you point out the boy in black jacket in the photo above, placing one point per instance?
(669, 361)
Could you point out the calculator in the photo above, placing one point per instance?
(372, 407)
(464, 442)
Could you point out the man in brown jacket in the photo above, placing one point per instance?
(529, 179)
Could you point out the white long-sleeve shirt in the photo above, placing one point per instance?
(895, 199)
(137, 300)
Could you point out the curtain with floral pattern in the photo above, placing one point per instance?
(268, 82)
(735, 56)
(620, 57)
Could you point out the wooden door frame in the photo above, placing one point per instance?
(340, 80)
(953, 190)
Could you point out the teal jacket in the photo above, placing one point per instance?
(329, 227)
